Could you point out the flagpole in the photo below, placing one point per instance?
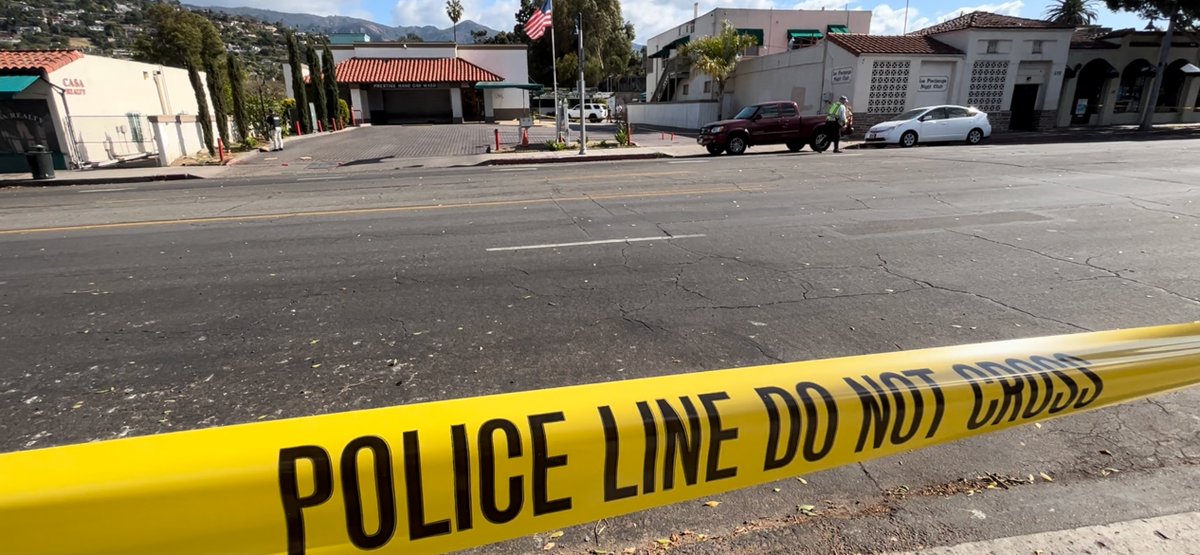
(554, 69)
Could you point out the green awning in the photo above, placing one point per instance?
(11, 85)
(794, 34)
(839, 29)
(756, 33)
(666, 50)
(510, 85)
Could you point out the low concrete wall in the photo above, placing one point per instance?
(176, 137)
(682, 115)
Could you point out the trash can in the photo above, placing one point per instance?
(40, 162)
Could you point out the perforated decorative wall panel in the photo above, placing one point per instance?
(987, 85)
(889, 86)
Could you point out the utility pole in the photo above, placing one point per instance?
(582, 116)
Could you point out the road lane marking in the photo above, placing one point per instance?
(601, 242)
(326, 178)
(105, 190)
(688, 162)
(380, 210)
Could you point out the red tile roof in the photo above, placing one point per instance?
(886, 44)
(32, 60)
(1089, 39)
(411, 70)
(986, 20)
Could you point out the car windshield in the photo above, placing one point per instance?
(911, 114)
(746, 113)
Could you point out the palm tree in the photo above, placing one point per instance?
(717, 55)
(454, 9)
(1072, 12)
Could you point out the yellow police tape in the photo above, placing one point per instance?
(453, 474)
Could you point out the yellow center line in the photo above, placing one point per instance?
(379, 210)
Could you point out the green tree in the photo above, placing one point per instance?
(176, 37)
(1072, 12)
(318, 86)
(202, 111)
(213, 56)
(237, 89)
(412, 37)
(454, 10)
(717, 55)
(607, 38)
(1181, 15)
(298, 93)
(331, 86)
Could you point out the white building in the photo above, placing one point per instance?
(1011, 67)
(92, 109)
(396, 82)
(1110, 74)
(669, 78)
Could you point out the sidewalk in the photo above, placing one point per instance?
(113, 176)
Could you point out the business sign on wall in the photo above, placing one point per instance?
(842, 75)
(408, 85)
(24, 124)
(929, 83)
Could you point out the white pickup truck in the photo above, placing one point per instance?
(593, 112)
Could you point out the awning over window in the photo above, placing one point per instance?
(510, 85)
(839, 29)
(756, 33)
(795, 34)
(666, 50)
(11, 85)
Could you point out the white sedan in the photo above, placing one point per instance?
(932, 124)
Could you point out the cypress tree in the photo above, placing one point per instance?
(331, 86)
(237, 88)
(314, 74)
(298, 93)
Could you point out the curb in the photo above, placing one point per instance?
(68, 181)
(567, 159)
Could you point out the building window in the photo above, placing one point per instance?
(993, 47)
(1037, 46)
(1133, 83)
(685, 89)
(707, 87)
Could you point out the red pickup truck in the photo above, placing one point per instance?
(768, 123)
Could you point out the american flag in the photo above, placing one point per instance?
(540, 21)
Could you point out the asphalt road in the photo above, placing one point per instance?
(142, 309)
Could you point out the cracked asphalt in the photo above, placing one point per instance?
(142, 309)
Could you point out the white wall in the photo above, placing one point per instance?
(801, 75)
(398, 50)
(176, 137)
(774, 24)
(100, 110)
(1016, 47)
(511, 64)
(683, 115)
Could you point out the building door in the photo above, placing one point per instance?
(417, 106)
(1023, 112)
(472, 105)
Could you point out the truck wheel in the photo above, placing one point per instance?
(593, 118)
(908, 139)
(715, 150)
(795, 147)
(820, 141)
(737, 145)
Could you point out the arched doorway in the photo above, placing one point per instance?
(1170, 96)
(1090, 85)
(1132, 91)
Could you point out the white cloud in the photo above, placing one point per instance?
(886, 20)
(497, 14)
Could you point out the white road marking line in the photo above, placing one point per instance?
(105, 190)
(688, 162)
(602, 242)
(327, 178)
(515, 169)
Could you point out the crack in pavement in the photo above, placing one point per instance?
(573, 219)
(1184, 214)
(1086, 263)
(884, 265)
(871, 478)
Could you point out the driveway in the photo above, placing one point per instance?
(385, 147)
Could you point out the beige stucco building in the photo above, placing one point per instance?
(92, 110)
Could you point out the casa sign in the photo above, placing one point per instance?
(73, 86)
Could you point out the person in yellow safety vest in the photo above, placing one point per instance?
(837, 119)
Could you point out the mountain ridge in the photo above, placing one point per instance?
(327, 24)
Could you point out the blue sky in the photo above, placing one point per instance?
(651, 17)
